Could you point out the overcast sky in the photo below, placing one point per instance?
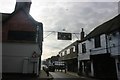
(57, 15)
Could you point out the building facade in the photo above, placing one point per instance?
(69, 56)
(99, 51)
(22, 38)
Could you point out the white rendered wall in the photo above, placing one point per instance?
(94, 51)
(113, 48)
(114, 44)
(99, 50)
(14, 55)
(83, 56)
(90, 46)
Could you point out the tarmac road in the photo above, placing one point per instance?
(65, 76)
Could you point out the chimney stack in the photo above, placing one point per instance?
(82, 34)
(24, 4)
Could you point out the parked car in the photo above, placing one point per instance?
(51, 68)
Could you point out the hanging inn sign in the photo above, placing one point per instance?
(64, 36)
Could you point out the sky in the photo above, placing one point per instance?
(67, 15)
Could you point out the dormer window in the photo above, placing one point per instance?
(97, 41)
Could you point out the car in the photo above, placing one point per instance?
(51, 68)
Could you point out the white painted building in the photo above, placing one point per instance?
(17, 58)
(99, 51)
(114, 49)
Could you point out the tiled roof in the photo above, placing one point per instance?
(72, 44)
(69, 56)
(105, 28)
(7, 16)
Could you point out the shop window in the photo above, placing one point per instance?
(89, 66)
(118, 65)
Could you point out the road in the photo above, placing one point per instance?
(66, 76)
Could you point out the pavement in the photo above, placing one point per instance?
(80, 76)
(42, 76)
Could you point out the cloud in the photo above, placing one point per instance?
(73, 16)
(7, 6)
(70, 15)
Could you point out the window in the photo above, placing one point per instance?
(65, 52)
(61, 54)
(73, 48)
(88, 66)
(83, 48)
(97, 41)
(22, 35)
(68, 51)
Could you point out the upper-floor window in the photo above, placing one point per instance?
(68, 51)
(83, 48)
(97, 41)
(73, 48)
(61, 54)
(22, 35)
(65, 52)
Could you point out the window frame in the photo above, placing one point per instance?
(83, 47)
(97, 41)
